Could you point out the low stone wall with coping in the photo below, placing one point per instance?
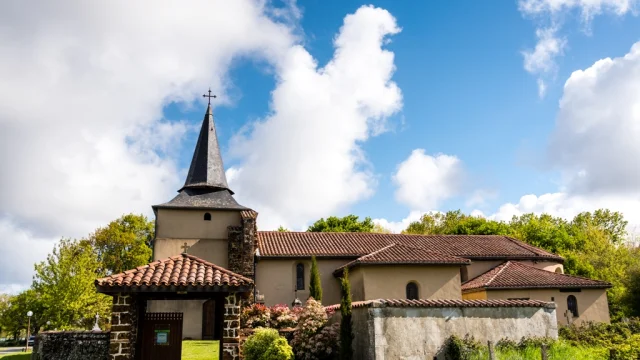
(71, 345)
(419, 329)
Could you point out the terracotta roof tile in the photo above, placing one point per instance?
(181, 271)
(328, 244)
(516, 275)
(401, 254)
(428, 303)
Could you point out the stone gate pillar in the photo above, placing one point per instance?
(231, 330)
(124, 327)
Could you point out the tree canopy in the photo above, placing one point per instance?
(349, 223)
(593, 245)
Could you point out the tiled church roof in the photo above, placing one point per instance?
(354, 245)
(182, 271)
(516, 275)
(401, 254)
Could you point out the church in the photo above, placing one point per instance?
(208, 257)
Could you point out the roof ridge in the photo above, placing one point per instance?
(558, 274)
(376, 252)
(504, 266)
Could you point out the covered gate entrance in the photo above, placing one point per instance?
(140, 335)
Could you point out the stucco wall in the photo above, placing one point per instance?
(212, 250)
(420, 333)
(190, 224)
(191, 310)
(592, 303)
(275, 279)
(389, 282)
(356, 280)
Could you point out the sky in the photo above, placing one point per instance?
(386, 109)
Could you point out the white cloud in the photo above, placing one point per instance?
(304, 160)
(594, 144)
(398, 226)
(541, 61)
(82, 139)
(423, 181)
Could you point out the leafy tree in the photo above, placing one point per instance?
(65, 282)
(282, 229)
(315, 286)
(4, 306)
(346, 326)
(377, 228)
(124, 243)
(349, 223)
(14, 317)
(455, 222)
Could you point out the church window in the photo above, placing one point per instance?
(300, 277)
(207, 216)
(572, 305)
(412, 291)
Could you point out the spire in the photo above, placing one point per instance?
(207, 170)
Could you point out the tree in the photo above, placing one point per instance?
(65, 282)
(4, 306)
(349, 223)
(124, 243)
(346, 326)
(315, 286)
(14, 317)
(282, 229)
(377, 228)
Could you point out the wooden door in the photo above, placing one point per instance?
(209, 320)
(162, 336)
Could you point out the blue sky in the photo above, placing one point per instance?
(465, 93)
(387, 109)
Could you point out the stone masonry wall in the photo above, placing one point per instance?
(242, 246)
(71, 345)
(231, 330)
(124, 327)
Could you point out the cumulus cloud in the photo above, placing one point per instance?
(82, 139)
(399, 226)
(548, 14)
(304, 160)
(594, 144)
(423, 181)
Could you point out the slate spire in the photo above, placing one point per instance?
(206, 170)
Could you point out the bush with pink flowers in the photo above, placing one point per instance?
(313, 339)
(255, 316)
(282, 317)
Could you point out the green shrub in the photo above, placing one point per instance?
(457, 348)
(621, 338)
(267, 344)
(278, 350)
(315, 286)
(346, 327)
(255, 316)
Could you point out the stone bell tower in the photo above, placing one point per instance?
(204, 219)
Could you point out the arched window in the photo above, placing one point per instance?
(572, 305)
(412, 291)
(558, 270)
(207, 217)
(464, 274)
(300, 277)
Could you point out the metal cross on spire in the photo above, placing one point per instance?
(209, 96)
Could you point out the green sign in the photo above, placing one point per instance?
(162, 337)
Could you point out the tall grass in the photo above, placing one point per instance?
(559, 350)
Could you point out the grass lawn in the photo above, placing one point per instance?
(559, 351)
(18, 356)
(199, 350)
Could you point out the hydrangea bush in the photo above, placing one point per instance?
(282, 317)
(313, 339)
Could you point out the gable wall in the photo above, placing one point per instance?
(592, 303)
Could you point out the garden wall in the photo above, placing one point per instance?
(419, 329)
(68, 345)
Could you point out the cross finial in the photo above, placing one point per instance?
(185, 247)
(209, 96)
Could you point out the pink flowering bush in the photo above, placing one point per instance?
(313, 339)
(282, 317)
(255, 316)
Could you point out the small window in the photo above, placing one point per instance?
(207, 217)
(300, 277)
(558, 270)
(412, 291)
(572, 305)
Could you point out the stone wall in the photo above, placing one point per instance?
(242, 245)
(124, 327)
(231, 330)
(67, 345)
(386, 330)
